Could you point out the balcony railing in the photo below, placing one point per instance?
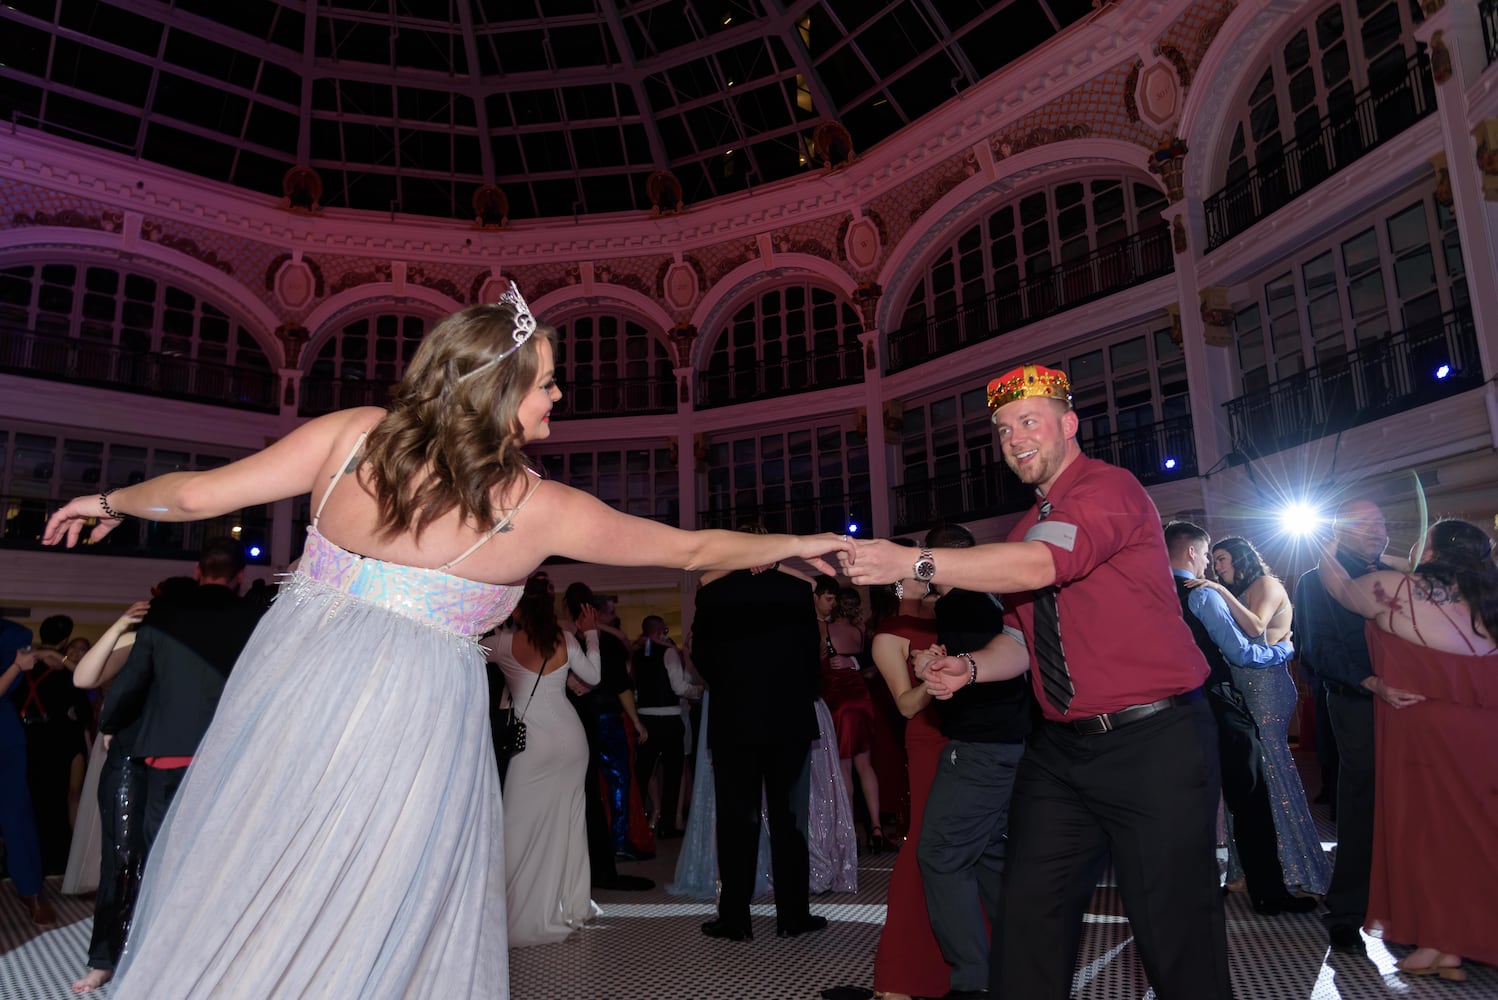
(987, 491)
(1158, 453)
(83, 362)
(798, 517)
(1378, 114)
(770, 379)
(1108, 269)
(317, 396)
(618, 397)
(1415, 366)
(22, 519)
(1488, 11)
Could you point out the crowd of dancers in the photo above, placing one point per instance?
(1078, 695)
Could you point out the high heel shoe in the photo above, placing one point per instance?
(877, 843)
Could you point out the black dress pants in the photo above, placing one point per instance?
(1147, 795)
(666, 745)
(1247, 794)
(1347, 896)
(739, 775)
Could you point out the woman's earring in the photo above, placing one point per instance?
(900, 590)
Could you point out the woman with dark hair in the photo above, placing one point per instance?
(1435, 679)
(1256, 597)
(908, 961)
(547, 876)
(344, 805)
(1258, 600)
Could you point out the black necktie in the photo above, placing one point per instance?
(1055, 679)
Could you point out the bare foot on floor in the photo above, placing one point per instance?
(92, 981)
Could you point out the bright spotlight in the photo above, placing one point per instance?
(1443, 371)
(1170, 463)
(254, 552)
(1300, 519)
(852, 527)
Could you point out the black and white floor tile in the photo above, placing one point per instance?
(648, 945)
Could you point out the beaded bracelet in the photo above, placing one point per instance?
(108, 510)
(972, 667)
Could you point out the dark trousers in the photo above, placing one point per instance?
(51, 748)
(1147, 793)
(666, 746)
(1326, 746)
(1246, 792)
(741, 774)
(613, 763)
(23, 852)
(1347, 897)
(161, 787)
(600, 842)
(121, 856)
(961, 852)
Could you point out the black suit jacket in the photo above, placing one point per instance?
(755, 642)
(172, 680)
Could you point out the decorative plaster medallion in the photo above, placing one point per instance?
(862, 244)
(680, 285)
(1159, 94)
(295, 284)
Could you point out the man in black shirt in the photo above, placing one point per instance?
(1333, 643)
(961, 850)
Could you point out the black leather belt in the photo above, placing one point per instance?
(1094, 725)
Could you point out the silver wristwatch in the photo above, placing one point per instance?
(925, 566)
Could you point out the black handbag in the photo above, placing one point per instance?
(509, 735)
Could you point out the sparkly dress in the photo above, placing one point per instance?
(338, 833)
(1271, 696)
(908, 959)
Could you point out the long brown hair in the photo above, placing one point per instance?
(536, 614)
(453, 435)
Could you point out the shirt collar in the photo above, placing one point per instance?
(1063, 482)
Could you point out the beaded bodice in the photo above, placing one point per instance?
(451, 603)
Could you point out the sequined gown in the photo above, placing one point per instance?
(1271, 696)
(831, 840)
(338, 833)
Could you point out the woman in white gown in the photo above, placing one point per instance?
(339, 831)
(546, 839)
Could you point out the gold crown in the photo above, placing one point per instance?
(1026, 382)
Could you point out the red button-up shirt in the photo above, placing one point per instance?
(1121, 626)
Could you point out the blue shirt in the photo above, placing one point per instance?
(1208, 606)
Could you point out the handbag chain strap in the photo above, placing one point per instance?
(539, 671)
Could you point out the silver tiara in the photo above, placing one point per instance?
(525, 325)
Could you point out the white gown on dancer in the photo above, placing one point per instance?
(338, 832)
(547, 878)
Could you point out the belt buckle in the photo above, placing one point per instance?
(1107, 722)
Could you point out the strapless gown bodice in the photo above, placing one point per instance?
(467, 608)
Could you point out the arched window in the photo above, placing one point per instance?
(1343, 82)
(1048, 250)
(136, 312)
(359, 363)
(608, 363)
(786, 340)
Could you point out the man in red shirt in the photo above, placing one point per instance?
(1125, 764)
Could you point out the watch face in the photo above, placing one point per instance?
(925, 568)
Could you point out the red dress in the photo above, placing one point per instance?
(1435, 821)
(909, 960)
(847, 698)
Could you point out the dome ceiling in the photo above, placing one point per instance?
(569, 106)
